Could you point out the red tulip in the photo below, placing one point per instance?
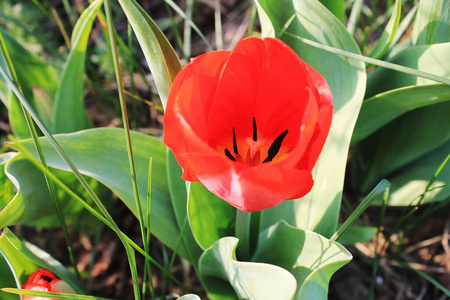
(249, 123)
(45, 281)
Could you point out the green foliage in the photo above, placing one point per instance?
(310, 257)
(24, 258)
(249, 280)
(319, 209)
(161, 58)
(69, 114)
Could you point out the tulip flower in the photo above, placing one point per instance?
(45, 281)
(250, 123)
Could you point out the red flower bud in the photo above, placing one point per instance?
(249, 123)
(45, 281)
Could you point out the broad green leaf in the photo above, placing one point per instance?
(337, 7)
(402, 141)
(69, 114)
(161, 57)
(319, 209)
(7, 191)
(178, 195)
(389, 32)
(7, 278)
(32, 203)
(32, 73)
(432, 24)
(379, 110)
(434, 59)
(25, 258)
(210, 217)
(310, 257)
(101, 154)
(249, 280)
(267, 29)
(410, 182)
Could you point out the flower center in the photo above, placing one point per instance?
(252, 147)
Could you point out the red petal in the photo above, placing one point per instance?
(265, 79)
(188, 99)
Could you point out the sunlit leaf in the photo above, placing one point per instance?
(379, 110)
(389, 32)
(102, 155)
(337, 7)
(402, 141)
(432, 23)
(249, 280)
(434, 59)
(319, 209)
(178, 195)
(310, 257)
(410, 182)
(32, 203)
(211, 218)
(161, 58)
(69, 114)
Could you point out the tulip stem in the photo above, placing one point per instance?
(243, 234)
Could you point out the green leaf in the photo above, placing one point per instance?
(32, 203)
(161, 57)
(389, 32)
(101, 154)
(69, 114)
(25, 258)
(267, 29)
(310, 257)
(432, 23)
(319, 209)
(249, 280)
(7, 278)
(210, 217)
(337, 7)
(32, 73)
(413, 135)
(178, 195)
(379, 110)
(434, 59)
(410, 182)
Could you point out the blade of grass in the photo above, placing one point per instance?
(187, 34)
(354, 16)
(373, 61)
(147, 238)
(425, 276)
(196, 29)
(61, 27)
(75, 171)
(38, 147)
(174, 25)
(117, 71)
(381, 190)
(77, 198)
(68, 10)
(218, 25)
(51, 294)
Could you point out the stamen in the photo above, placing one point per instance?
(229, 155)
(235, 149)
(255, 133)
(275, 147)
